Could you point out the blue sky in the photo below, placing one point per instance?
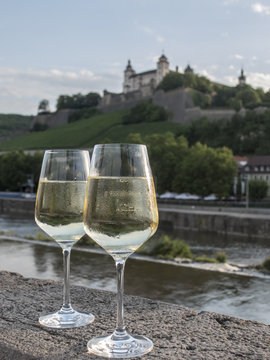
(58, 47)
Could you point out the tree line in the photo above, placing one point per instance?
(244, 135)
(176, 166)
(206, 93)
(197, 169)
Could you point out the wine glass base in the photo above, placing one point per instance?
(125, 348)
(66, 320)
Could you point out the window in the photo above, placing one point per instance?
(262, 168)
(256, 168)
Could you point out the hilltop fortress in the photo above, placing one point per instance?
(140, 87)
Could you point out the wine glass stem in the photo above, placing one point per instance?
(120, 330)
(66, 294)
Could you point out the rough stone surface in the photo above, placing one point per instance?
(177, 332)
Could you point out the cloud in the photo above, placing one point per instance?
(259, 80)
(231, 67)
(160, 39)
(255, 79)
(21, 90)
(238, 57)
(260, 8)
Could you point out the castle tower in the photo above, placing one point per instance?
(242, 78)
(162, 68)
(188, 70)
(127, 86)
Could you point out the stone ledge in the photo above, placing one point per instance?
(177, 332)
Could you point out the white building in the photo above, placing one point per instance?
(134, 81)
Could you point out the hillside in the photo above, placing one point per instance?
(86, 133)
(14, 123)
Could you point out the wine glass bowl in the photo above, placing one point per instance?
(120, 214)
(59, 212)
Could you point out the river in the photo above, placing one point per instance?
(231, 294)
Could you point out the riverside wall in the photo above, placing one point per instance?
(229, 221)
(12, 206)
(225, 221)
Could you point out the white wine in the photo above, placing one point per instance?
(120, 213)
(59, 210)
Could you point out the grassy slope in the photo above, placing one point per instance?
(86, 133)
(12, 122)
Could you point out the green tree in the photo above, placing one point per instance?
(205, 170)
(77, 101)
(257, 189)
(236, 104)
(134, 138)
(172, 80)
(147, 112)
(43, 106)
(204, 85)
(15, 167)
(247, 95)
(266, 98)
(165, 152)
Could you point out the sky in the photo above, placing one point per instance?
(54, 47)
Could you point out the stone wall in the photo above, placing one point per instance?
(230, 222)
(211, 219)
(58, 118)
(17, 206)
(178, 101)
(176, 331)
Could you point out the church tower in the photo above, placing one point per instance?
(162, 68)
(242, 78)
(127, 86)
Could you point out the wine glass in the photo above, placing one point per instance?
(59, 212)
(120, 214)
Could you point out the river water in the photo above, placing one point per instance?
(237, 295)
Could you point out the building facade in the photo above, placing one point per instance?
(151, 78)
(258, 168)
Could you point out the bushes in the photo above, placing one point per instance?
(15, 167)
(166, 248)
(82, 114)
(266, 264)
(147, 112)
(257, 189)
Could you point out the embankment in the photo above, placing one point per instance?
(228, 221)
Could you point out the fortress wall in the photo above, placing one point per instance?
(173, 101)
(58, 118)
(218, 114)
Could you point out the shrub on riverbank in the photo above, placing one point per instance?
(166, 248)
(221, 257)
(266, 264)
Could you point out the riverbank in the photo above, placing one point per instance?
(176, 331)
(229, 268)
(251, 223)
